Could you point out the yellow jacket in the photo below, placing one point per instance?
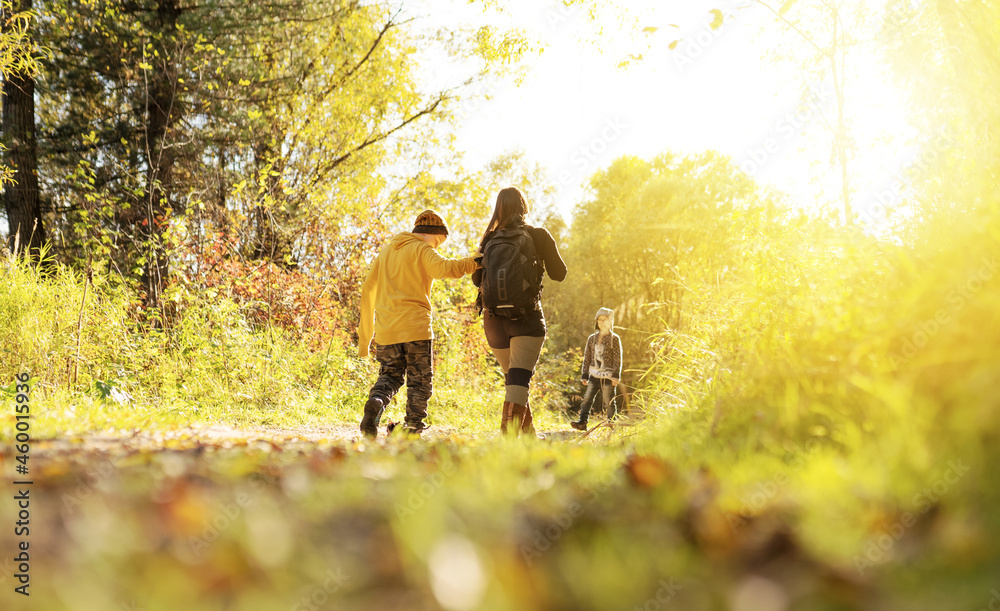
(395, 298)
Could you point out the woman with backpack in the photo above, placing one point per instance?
(515, 257)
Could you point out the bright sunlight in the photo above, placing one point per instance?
(576, 108)
(500, 305)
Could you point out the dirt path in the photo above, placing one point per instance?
(224, 437)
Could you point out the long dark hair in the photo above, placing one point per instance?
(510, 206)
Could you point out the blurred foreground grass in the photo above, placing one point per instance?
(498, 524)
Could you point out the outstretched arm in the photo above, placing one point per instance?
(439, 267)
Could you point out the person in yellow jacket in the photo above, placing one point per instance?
(396, 314)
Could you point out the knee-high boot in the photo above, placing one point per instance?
(506, 416)
(517, 417)
(528, 423)
(523, 421)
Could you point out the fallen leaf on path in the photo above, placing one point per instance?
(648, 471)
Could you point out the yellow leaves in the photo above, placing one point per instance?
(145, 66)
(253, 114)
(717, 19)
(239, 187)
(244, 82)
(786, 6)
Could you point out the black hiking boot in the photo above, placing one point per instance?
(579, 425)
(373, 412)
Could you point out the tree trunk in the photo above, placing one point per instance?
(269, 242)
(162, 110)
(841, 141)
(24, 214)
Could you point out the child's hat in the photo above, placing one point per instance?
(429, 222)
(604, 312)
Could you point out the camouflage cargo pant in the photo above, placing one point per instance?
(415, 361)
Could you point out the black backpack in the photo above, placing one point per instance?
(512, 273)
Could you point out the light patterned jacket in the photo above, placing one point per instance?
(603, 357)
